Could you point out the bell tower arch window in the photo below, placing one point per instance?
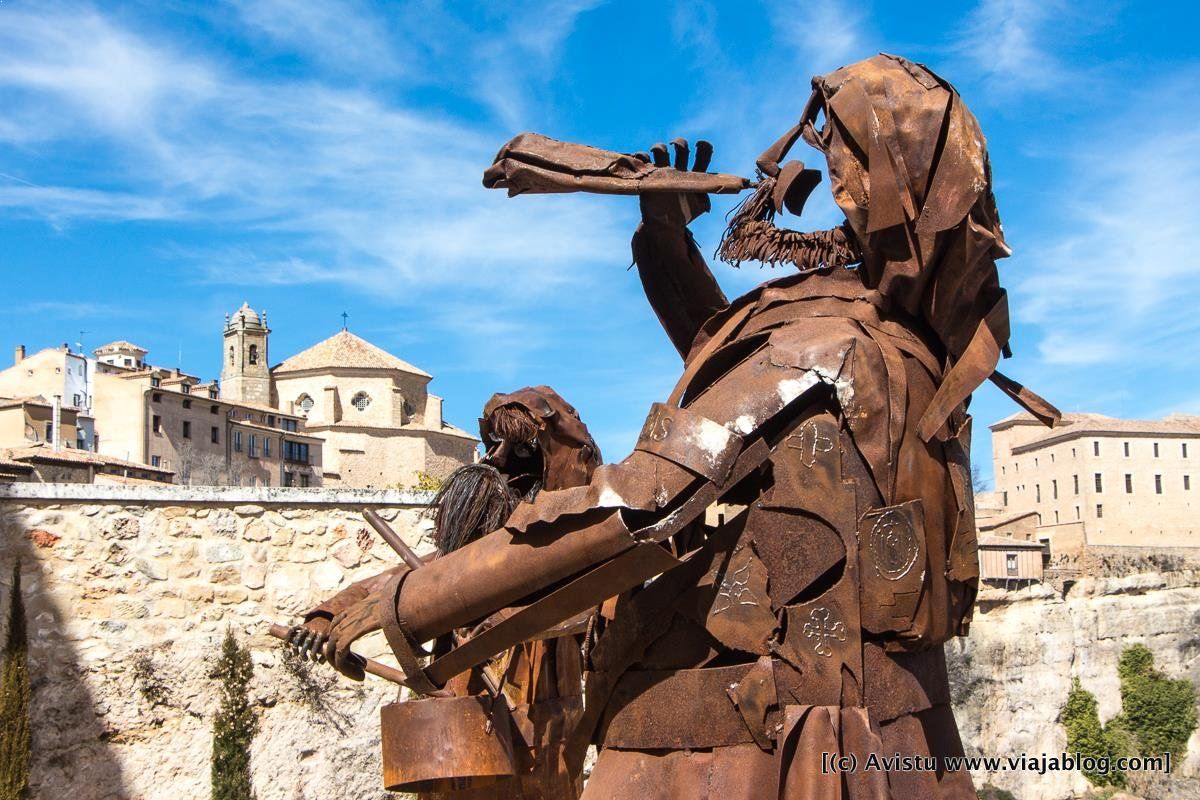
(253, 354)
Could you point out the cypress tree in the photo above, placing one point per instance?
(235, 724)
(14, 700)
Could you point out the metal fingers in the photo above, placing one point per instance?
(307, 643)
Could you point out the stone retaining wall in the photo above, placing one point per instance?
(128, 592)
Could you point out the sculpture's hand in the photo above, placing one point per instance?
(350, 625)
(309, 639)
(676, 208)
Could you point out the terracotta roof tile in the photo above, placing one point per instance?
(345, 350)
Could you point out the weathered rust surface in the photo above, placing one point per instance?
(826, 412)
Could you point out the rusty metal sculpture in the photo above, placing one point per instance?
(820, 420)
(501, 725)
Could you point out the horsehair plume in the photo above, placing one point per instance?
(514, 423)
(751, 235)
(474, 500)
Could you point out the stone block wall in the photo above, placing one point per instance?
(128, 593)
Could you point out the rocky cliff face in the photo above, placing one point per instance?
(1011, 676)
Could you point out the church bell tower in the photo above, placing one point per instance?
(245, 374)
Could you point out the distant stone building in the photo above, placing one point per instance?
(380, 424)
(1095, 480)
(245, 374)
(342, 412)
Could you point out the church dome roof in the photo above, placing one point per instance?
(246, 315)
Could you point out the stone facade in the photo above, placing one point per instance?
(129, 591)
(245, 371)
(1096, 480)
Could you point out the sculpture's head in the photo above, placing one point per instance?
(535, 440)
(908, 166)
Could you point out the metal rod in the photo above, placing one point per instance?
(393, 539)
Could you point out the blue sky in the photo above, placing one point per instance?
(161, 162)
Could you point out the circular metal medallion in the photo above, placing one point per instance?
(893, 545)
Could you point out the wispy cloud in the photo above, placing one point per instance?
(1117, 279)
(349, 186)
(1015, 45)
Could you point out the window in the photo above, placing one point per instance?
(1001, 469)
(1052, 458)
(156, 423)
(1099, 511)
(304, 480)
(1128, 483)
(1037, 488)
(237, 441)
(75, 401)
(49, 431)
(289, 479)
(295, 451)
(1035, 462)
(187, 403)
(1011, 563)
(155, 461)
(1054, 489)
(215, 435)
(1095, 448)
(1077, 512)
(187, 429)
(1127, 449)
(253, 354)
(361, 401)
(155, 381)
(1076, 479)
(129, 362)
(214, 409)
(266, 447)
(231, 355)
(1156, 449)
(1099, 483)
(304, 403)
(288, 424)
(1073, 455)
(1187, 483)
(1005, 496)
(1055, 517)
(1158, 484)
(212, 393)
(156, 397)
(253, 451)
(271, 420)
(1184, 445)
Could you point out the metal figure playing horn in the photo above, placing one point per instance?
(789, 545)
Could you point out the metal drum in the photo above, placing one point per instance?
(440, 744)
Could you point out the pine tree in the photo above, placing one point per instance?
(234, 726)
(14, 700)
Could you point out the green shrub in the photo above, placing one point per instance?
(1085, 734)
(1158, 712)
(235, 724)
(14, 700)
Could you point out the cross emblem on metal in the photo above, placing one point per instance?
(823, 627)
(733, 588)
(811, 443)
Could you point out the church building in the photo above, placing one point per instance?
(379, 424)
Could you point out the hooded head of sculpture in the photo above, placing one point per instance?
(535, 440)
(908, 167)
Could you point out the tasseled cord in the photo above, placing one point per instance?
(752, 236)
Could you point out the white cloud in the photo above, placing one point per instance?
(347, 185)
(1118, 283)
(1012, 44)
